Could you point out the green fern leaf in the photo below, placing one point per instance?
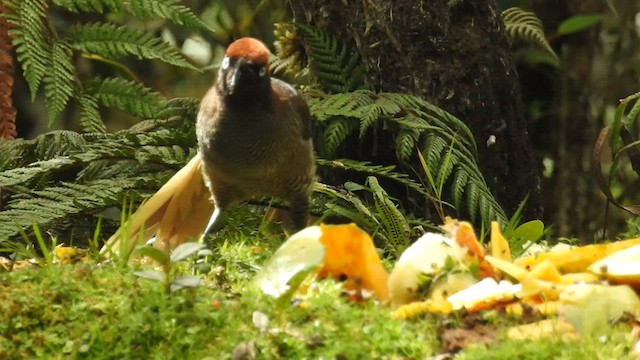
(397, 230)
(458, 185)
(524, 25)
(336, 67)
(336, 133)
(166, 9)
(77, 6)
(30, 39)
(406, 143)
(112, 41)
(142, 9)
(434, 149)
(90, 119)
(446, 142)
(59, 83)
(376, 170)
(130, 96)
(57, 143)
(59, 203)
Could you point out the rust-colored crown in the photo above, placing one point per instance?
(250, 49)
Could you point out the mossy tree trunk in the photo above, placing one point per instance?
(455, 55)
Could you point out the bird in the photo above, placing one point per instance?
(254, 136)
(254, 139)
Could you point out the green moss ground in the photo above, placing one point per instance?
(103, 311)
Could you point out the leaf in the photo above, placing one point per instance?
(185, 250)
(90, 119)
(186, 281)
(154, 253)
(130, 96)
(112, 41)
(59, 80)
(578, 23)
(525, 25)
(150, 274)
(31, 39)
(596, 168)
(529, 231)
(337, 68)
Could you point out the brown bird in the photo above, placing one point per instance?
(254, 135)
(254, 139)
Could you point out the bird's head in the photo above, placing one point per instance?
(245, 69)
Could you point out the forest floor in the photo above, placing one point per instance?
(94, 309)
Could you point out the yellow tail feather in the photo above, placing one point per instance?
(179, 211)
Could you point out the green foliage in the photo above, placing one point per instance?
(525, 25)
(621, 142)
(170, 281)
(344, 108)
(333, 64)
(112, 41)
(380, 216)
(578, 23)
(63, 178)
(48, 51)
(429, 128)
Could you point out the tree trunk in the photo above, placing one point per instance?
(454, 54)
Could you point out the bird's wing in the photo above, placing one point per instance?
(176, 213)
(287, 94)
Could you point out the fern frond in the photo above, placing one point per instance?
(77, 6)
(336, 133)
(90, 120)
(30, 39)
(143, 9)
(12, 152)
(525, 25)
(397, 230)
(458, 186)
(419, 122)
(57, 143)
(59, 83)
(130, 96)
(60, 203)
(405, 143)
(375, 170)
(337, 68)
(165, 9)
(112, 41)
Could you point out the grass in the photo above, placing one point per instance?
(102, 311)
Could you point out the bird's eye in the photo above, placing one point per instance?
(225, 63)
(262, 71)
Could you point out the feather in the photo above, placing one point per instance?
(178, 212)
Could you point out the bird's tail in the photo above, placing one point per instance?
(179, 211)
